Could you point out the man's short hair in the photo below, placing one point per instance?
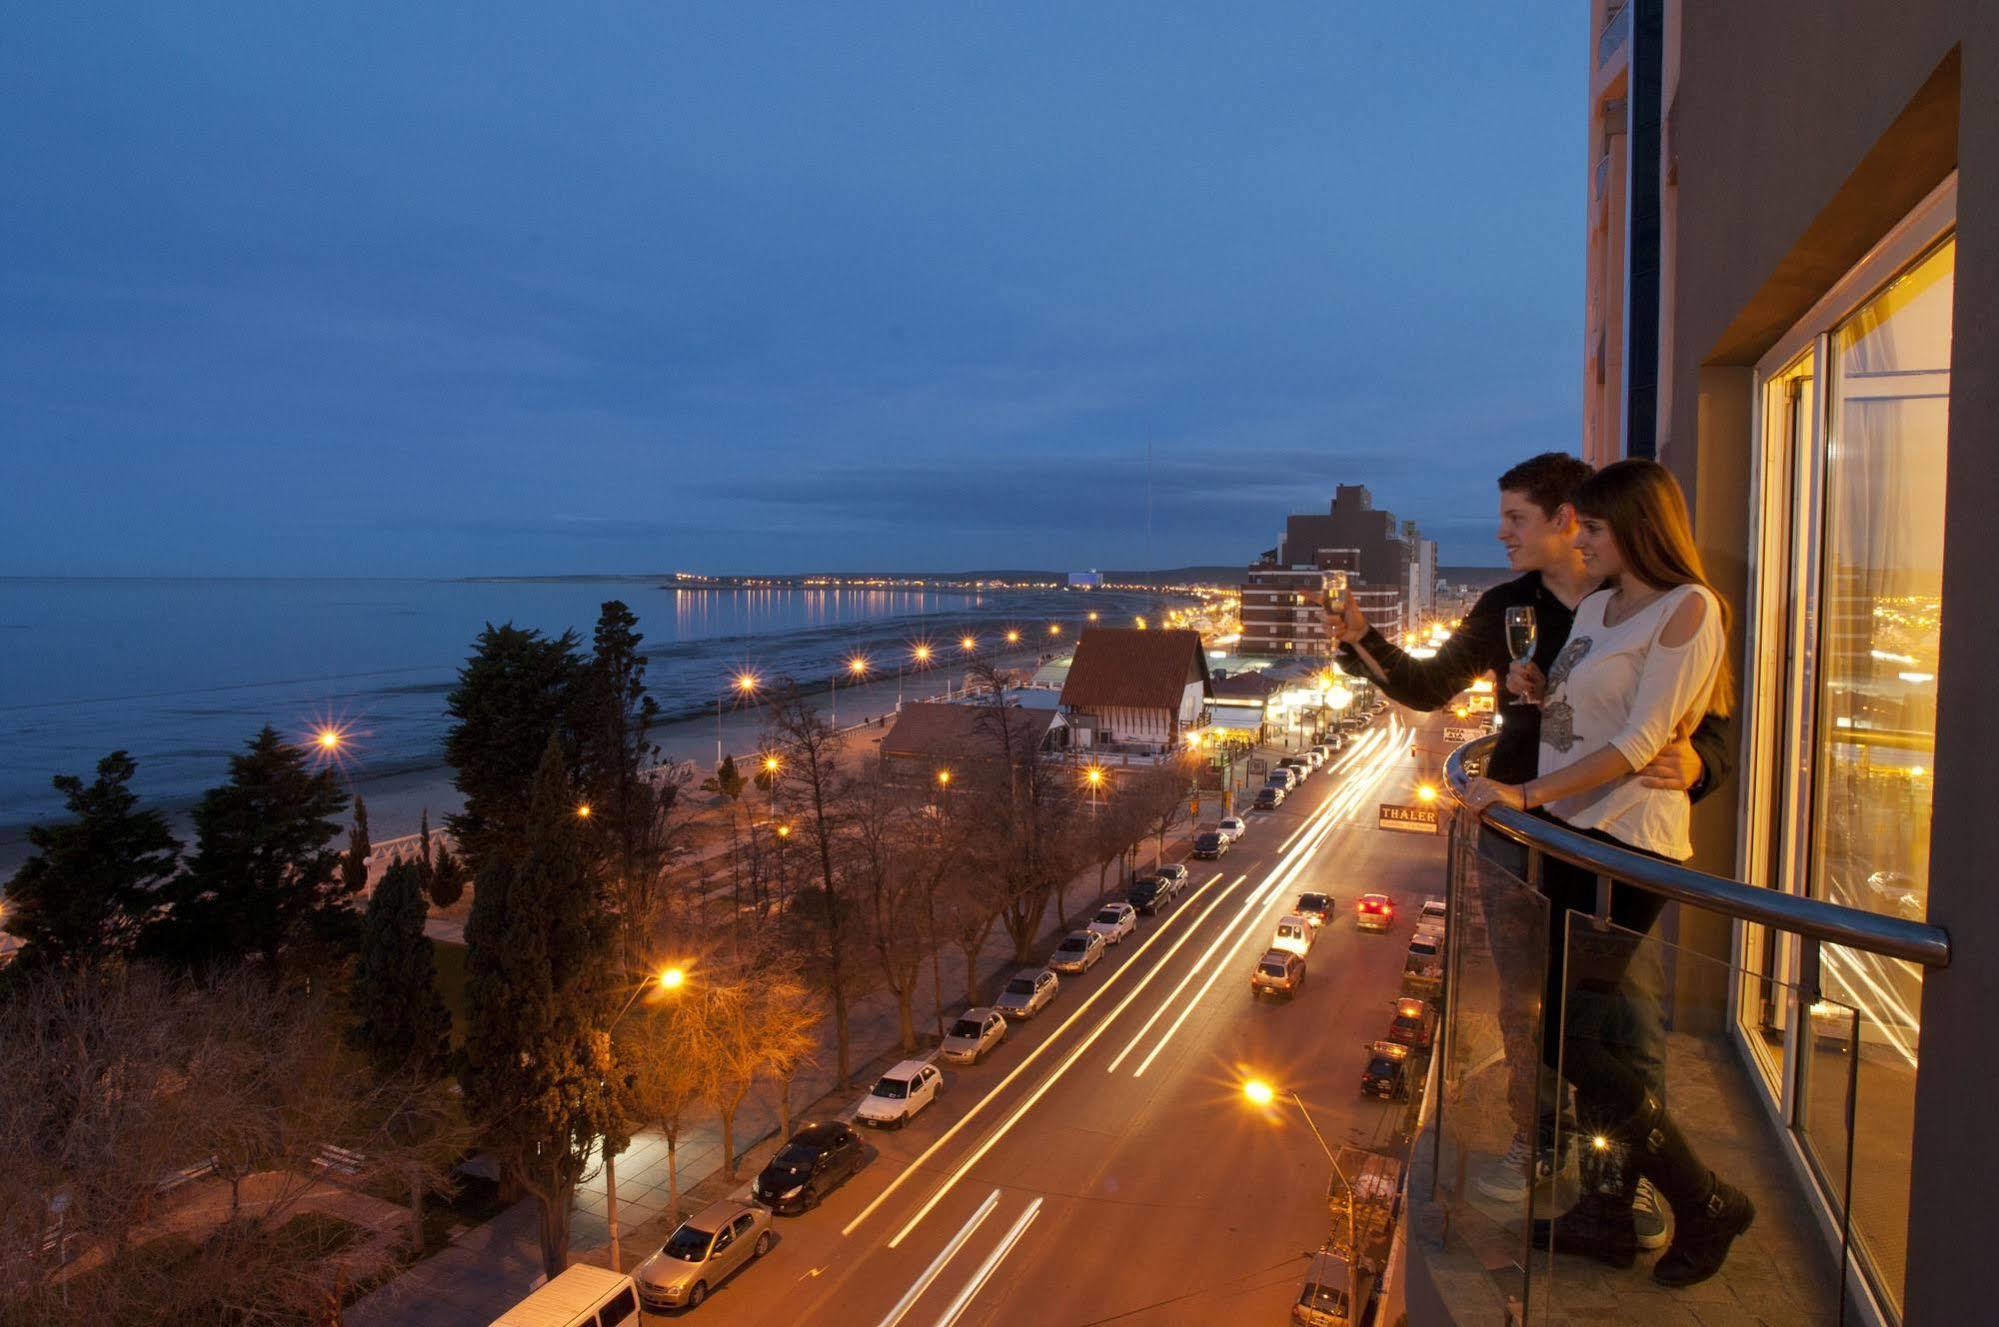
(1548, 480)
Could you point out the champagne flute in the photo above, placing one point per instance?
(1520, 636)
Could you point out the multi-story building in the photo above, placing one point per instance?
(1378, 554)
(1283, 609)
(1778, 194)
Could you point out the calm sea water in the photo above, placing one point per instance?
(182, 672)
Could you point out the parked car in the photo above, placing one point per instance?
(1324, 751)
(1233, 826)
(1175, 876)
(1269, 797)
(1210, 844)
(1387, 1072)
(1294, 933)
(1279, 971)
(1433, 914)
(1301, 768)
(1114, 921)
(1027, 991)
(1374, 912)
(1149, 894)
(702, 1252)
(817, 1160)
(900, 1095)
(581, 1296)
(1314, 907)
(1322, 1302)
(1283, 777)
(976, 1032)
(1426, 956)
(1078, 952)
(1412, 1025)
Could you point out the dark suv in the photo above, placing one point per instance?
(1149, 895)
(814, 1163)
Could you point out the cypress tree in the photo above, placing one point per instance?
(80, 901)
(538, 1074)
(447, 878)
(403, 1022)
(354, 866)
(515, 692)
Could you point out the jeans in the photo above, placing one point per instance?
(1613, 1000)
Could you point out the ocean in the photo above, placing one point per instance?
(182, 672)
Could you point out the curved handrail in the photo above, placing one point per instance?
(1831, 923)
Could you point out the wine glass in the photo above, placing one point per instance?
(1520, 635)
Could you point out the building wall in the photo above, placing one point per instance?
(1798, 132)
(1282, 609)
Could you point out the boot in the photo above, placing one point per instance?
(1707, 1214)
(1600, 1226)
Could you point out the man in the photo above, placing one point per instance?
(1537, 527)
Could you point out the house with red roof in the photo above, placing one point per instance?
(1136, 689)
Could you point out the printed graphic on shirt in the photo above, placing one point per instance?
(1558, 720)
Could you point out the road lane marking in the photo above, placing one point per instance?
(1023, 1066)
(1360, 748)
(951, 1181)
(937, 1264)
(1352, 796)
(991, 1265)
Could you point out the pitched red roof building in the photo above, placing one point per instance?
(1129, 687)
(932, 735)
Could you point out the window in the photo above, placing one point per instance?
(619, 1311)
(1854, 407)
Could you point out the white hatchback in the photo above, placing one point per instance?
(1233, 827)
(1115, 921)
(900, 1095)
(1294, 935)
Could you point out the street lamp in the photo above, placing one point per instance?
(1054, 628)
(968, 643)
(919, 655)
(1094, 776)
(669, 980)
(857, 668)
(328, 739)
(745, 685)
(583, 810)
(1425, 793)
(1260, 1093)
(1013, 636)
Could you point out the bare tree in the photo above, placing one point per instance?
(663, 1055)
(889, 865)
(813, 774)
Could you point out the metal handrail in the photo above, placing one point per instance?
(1815, 919)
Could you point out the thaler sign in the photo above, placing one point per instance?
(1410, 819)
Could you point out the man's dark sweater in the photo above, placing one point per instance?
(1477, 647)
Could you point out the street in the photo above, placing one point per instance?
(1103, 1164)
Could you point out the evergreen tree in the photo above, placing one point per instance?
(265, 879)
(514, 694)
(447, 878)
(354, 866)
(538, 1073)
(403, 1022)
(81, 899)
(611, 718)
(727, 780)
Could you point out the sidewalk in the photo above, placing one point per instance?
(492, 1266)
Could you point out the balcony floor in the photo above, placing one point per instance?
(1469, 1249)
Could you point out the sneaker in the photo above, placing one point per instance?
(1649, 1218)
(1700, 1245)
(1506, 1178)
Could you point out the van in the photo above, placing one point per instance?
(1294, 934)
(582, 1296)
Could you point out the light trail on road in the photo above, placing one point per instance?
(1335, 809)
(937, 1264)
(990, 1265)
(1040, 1050)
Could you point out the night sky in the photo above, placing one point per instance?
(552, 288)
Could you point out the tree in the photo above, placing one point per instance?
(727, 781)
(611, 717)
(1163, 792)
(515, 693)
(666, 1077)
(538, 1075)
(354, 866)
(264, 884)
(888, 866)
(812, 771)
(81, 900)
(1026, 817)
(447, 877)
(403, 1023)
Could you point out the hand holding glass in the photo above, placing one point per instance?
(1520, 638)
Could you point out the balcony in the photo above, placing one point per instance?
(1829, 1179)
(1615, 36)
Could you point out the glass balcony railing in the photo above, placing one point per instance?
(1616, 32)
(1591, 1101)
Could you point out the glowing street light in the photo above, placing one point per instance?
(857, 668)
(1425, 793)
(1054, 628)
(921, 654)
(1141, 624)
(1013, 637)
(968, 643)
(1093, 615)
(943, 778)
(328, 739)
(672, 979)
(583, 811)
(1259, 1092)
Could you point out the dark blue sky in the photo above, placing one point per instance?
(508, 289)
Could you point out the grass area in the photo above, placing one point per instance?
(450, 960)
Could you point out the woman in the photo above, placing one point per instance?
(1643, 663)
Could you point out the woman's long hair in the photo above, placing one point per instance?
(1642, 504)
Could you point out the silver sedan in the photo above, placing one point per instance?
(702, 1252)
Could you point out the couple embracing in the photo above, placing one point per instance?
(1613, 720)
